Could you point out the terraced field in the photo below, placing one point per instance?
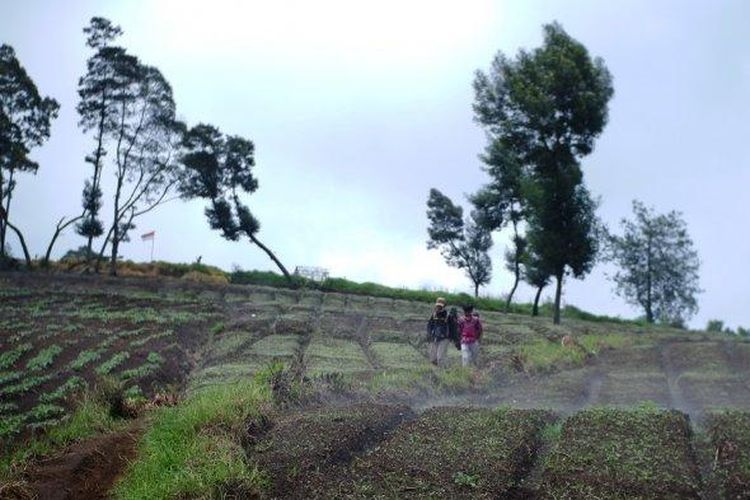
(623, 412)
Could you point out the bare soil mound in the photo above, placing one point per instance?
(86, 470)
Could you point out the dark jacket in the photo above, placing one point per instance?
(441, 326)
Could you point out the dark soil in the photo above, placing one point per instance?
(305, 454)
(610, 453)
(86, 470)
(451, 453)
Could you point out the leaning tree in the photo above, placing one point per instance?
(658, 265)
(544, 109)
(25, 118)
(462, 243)
(218, 168)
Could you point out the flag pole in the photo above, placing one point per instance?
(152, 248)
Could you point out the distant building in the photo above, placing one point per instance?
(311, 273)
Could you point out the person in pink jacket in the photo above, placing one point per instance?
(470, 327)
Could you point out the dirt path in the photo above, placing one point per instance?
(678, 401)
(85, 470)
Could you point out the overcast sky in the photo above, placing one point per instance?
(357, 109)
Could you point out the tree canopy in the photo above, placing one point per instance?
(462, 243)
(25, 119)
(218, 168)
(542, 111)
(658, 265)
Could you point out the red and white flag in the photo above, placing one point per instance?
(148, 236)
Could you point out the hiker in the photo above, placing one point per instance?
(438, 331)
(470, 327)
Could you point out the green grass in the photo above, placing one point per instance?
(333, 355)
(396, 355)
(541, 355)
(193, 450)
(597, 343)
(276, 346)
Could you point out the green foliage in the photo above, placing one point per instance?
(44, 358)
(84, 358)
(112, 363)
(73, 384)
(25, 118)
(9, 358)
(467, 480)
(25, 385)
(542, 112)
(715, 325)
(658, 265)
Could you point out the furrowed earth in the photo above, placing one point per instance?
(277, 393)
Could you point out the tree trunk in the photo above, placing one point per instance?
(535, 309)
(558, 294)
(100, 256)
(512, 291)
(273, 258)
(476, 290)
(6, 214)
(23, 242)
(649, 310)
(58, 230)
(516, 267)
(2, 219)
(116, 223)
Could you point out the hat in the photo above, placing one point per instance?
(440, 302)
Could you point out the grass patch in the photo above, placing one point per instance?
(193, 450)
(333, 355)
(396, 355)
(541, 355)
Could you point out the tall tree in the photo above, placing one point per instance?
(147, 140)
(110, 79)
(463, 244)
(500, 202)
(544, 109)
(218, 168)
(25, 118)
(658, 265)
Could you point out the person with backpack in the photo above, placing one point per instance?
(439, 328)
(470, 327)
